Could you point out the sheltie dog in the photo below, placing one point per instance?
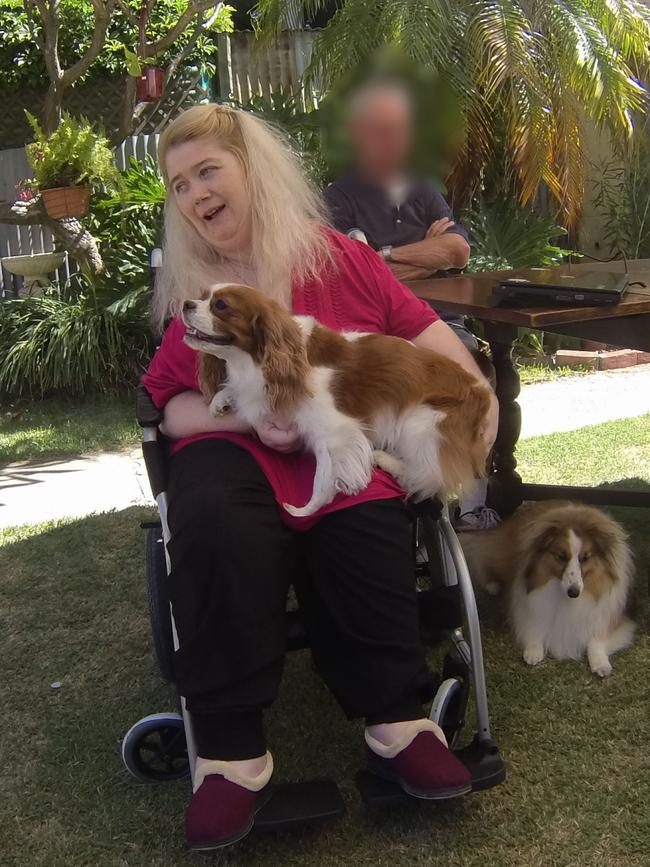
(567, 570)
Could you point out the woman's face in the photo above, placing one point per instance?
(209, 187)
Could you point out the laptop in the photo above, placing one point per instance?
(548, 286)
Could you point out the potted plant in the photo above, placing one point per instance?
(68, 163)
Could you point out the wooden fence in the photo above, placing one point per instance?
(247, 68)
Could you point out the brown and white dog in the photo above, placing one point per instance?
(567, 569)
(356, 399)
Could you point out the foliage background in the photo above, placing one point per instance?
(623, 198)
(92, 334)
(22, 64)
(529, 76)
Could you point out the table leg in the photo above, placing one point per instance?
(504, 484)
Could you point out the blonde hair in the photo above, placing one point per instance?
(287, 212)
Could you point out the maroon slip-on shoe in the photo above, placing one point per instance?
(222, 813)
(425, 768)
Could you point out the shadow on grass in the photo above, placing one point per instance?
(75, 611)
(57, 427)
(633, 484)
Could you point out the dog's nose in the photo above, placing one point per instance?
(574, 592)
(189, 305)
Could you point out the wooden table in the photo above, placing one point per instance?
(626, 325)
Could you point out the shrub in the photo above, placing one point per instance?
(52, 343)
(91, 335)
(75, 153)
(128, 225)
(623, 199)
(505, 235)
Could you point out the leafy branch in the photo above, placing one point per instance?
(45, 19)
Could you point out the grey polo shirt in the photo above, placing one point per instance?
(355, 204)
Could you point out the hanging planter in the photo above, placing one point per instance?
(68, 163)
(150, 85)
(150, 79)
(66, 201)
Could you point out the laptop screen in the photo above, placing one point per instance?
(578, 281)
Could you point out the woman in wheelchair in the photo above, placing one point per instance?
(239, 210)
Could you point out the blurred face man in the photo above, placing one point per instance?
(380, 124)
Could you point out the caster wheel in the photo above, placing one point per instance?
(154, 750)
(448, 709)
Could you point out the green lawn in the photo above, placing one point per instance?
(73, 609)
(591, 455)
(54, 428)
(529, 373)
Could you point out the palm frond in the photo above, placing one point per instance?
(271, 14)
(526, 72)
(593, 63)
(626, 24)
(504, 56)
(348, 41)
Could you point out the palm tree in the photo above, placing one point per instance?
(530, 74)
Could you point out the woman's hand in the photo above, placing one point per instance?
(279, 435)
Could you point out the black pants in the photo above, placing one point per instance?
(233, 560)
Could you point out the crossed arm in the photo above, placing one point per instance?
(439, 250)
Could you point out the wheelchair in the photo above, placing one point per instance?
(160, 747)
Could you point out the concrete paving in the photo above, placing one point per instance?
(32, 492)
(569, 403)
(36, 491)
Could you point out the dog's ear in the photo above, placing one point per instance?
(211, 375)
(544, 540)
(455, 387)
(609, 541)
(535, 541)
(280, 351)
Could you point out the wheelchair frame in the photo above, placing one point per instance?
(308, 802)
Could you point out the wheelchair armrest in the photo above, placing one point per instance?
(146, 411)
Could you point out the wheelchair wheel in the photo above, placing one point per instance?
(154, 750)
(448, 709)
(159, 613)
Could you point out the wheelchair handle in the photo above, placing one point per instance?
(146, 411)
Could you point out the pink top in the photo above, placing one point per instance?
(360, 295)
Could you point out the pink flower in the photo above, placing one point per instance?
(25, 191)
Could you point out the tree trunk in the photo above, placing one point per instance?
(52, 108)
(79, 243)
(74, 238)
(127, 113)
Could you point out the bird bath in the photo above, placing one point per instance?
(34, 269)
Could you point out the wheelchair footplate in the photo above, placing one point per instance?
(293, 805)
(481, 758)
